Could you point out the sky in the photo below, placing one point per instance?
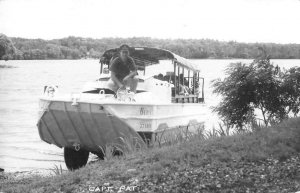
(276, 21)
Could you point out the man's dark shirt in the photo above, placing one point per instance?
(122, 69)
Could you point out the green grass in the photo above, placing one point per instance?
(279, 142)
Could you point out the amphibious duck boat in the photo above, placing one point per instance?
(169, 101)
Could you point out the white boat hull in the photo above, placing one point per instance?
(93, 125)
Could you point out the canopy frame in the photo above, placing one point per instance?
(145, 56)
(148, 56)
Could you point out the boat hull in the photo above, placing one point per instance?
(93, 126)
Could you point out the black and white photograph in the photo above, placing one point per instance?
(140, 96)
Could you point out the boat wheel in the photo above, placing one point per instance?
(99, 154)
(75, 159)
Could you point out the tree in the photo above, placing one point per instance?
(6, 47)
(259, 85)
(291, 90)
(53, 51)
(189, 48)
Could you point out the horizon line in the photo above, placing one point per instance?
(152, 38)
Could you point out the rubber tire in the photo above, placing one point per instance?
(75, 159)
(99, 154)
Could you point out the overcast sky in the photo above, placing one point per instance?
(240, 20)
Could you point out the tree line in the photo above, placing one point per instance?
(78, 47)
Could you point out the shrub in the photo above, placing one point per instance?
(258, 85)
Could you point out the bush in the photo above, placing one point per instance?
(259, 85)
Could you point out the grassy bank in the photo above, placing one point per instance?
(266, 160)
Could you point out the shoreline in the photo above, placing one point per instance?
(27, 173)
(266, 160)
(187, 58)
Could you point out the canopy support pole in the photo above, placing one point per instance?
(189, 78)
(175, 78)
(101, 67)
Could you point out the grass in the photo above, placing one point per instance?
(213, 156)
(57, 170)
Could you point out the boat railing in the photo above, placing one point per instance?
(189, 86)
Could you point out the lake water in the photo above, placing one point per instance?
(21, 149)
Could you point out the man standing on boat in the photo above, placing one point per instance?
(123, 71)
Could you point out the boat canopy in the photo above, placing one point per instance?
(145, 56)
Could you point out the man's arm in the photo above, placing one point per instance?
(133, 70)
(112, 68)
(115, 79)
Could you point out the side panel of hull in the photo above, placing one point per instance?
(147, 118)
(92, 128)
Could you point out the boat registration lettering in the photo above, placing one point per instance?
(145, 111)
(145, 125)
